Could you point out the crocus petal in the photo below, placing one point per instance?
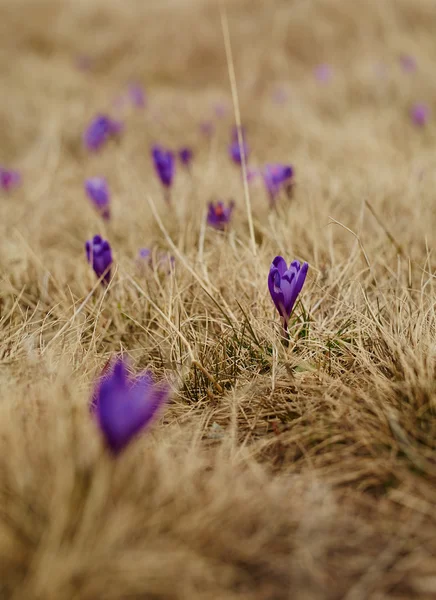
(280, 264)
(275, 290)
(297, 286)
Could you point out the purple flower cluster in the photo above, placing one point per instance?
(124, 406)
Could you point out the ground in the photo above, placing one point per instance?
(304, 470)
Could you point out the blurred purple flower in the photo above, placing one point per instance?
(221, 110)
(185, 156)
(207, 128)
(164, 164)
(97, 190)
(420, 113)
(237, 152)
(218, 216)
(280, 95)
(9, 179)
(323, 73)
(144, 254)
(160, 260)
(277, 177)
(252, 174)
(99, 255)
(285, 284)
(125, 405)
(99, 131)
(137, 95)
(408, 63)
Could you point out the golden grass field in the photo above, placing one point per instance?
(299, 472)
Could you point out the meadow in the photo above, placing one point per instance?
(296, 464)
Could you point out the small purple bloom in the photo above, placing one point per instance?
(408, 63)
(137, 95)
(99, 255)
(218, 216)
(125, 405)
(237, 152)
(285, 284)
(144, 254)
(420, 113)
(97, 190)
(159, 260)
(323, 73)
(276, 177)
(164, 164)
(185, 156)
(99, 131)
(9, 179)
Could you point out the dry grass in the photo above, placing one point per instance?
(303, 472)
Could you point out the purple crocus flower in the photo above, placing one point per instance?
(408, 63)
(285, 284)
(9, 179)
(420, 113)
(99, 255)
(323, 73)
(99, 131)
(164, 164)
(236, 151)
(276, 177)
(137, 95)
(97, 190)
(124, 405)
(218, 216)
(185, 156)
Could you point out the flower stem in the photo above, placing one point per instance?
(285, 333)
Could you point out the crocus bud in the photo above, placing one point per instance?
(164, 164)
(124, 406)
(97, 190)
(285, 284)
(99, 131)
(185, 156)
(99, 256)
